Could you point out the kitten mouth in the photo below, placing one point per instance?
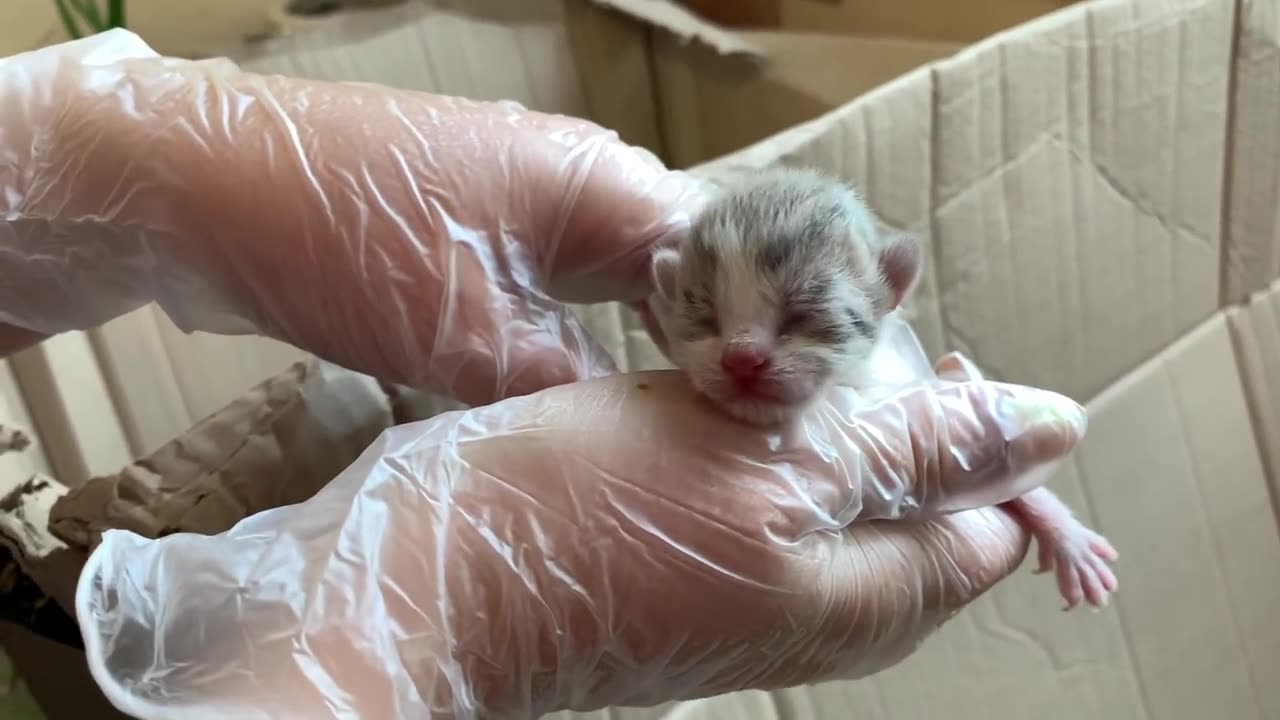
(759, 392)
(766, 391)
(768, 399)
(758, 412)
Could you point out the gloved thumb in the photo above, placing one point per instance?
(1043, 427)
(935, 449)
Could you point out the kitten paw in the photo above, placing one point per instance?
(1080, 559)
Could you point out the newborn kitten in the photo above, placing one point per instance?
(780, 292)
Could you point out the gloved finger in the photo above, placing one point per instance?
(965, 553)
(940, 449)
(616, 204)
(994, 430)
(883, 587)
(425, 270)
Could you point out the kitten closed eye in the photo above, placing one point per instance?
(794, 321)
(699, 311)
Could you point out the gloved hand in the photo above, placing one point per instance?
(611, 541)
(413, 237)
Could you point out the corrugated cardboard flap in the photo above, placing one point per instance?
(663, 15)
(1255, 329)
(678, 21)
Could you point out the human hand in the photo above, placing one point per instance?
(422, 239)
(613, 542)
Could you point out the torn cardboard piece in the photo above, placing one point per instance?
(36, 554)
(24, 516)
(740, 14)
(680, 23)
(13, 440)
(276, 445)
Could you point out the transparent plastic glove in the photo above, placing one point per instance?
(414, 237)
(612, 542)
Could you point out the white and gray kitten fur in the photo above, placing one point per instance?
(778, 292)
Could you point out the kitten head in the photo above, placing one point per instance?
(780, 289)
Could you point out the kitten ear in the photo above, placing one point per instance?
(900, 260)
(664, 268)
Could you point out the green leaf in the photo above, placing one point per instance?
(89, 11)
(68, 21)
(115, 13)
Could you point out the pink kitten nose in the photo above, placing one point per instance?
(745, 361)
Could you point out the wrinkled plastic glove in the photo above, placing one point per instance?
(413, 237)
(612, 541)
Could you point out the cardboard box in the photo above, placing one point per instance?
(660, 75)
(657, 72)
(1098, 193)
